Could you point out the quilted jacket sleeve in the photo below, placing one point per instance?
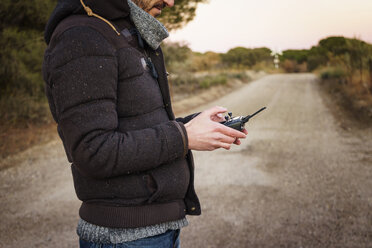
(188, 118)
(81, 76)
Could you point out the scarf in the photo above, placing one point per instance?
(151, 30)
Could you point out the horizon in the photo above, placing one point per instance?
(207, 51)
(278, 26)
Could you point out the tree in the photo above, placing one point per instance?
(21, 40)
(31, 14)
(176, 56)
(337, 45)
(317, 56)
(245, 57)
(262, 54)
(181, 13)
(299, 56)
(359, 54)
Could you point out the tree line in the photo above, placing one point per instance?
(180, 58)
(338, 57)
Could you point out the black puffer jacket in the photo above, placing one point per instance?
(130, 160)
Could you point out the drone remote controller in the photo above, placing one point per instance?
(238, 122)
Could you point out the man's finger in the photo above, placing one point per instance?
(225, 138)
(218, 118)
(232, 132)
(224, 145)
(215, 110)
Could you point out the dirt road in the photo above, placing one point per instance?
(298, 180)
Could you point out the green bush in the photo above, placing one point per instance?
(188, 82)
(333, 73)
(182, 79)
(210, 81)
(239, 75)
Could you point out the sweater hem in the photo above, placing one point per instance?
(106, 235)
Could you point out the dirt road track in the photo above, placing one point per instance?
(298, 180)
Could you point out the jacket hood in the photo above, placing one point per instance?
(108, 9)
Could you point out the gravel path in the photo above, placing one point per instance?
(298, 180)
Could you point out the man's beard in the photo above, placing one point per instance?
(147, 5)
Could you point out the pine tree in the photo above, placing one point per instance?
(21, 40)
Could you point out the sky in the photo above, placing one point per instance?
(277, 24)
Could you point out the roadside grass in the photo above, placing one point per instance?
(186, 84)
(22, 109)
(24, 122)
(17, 139)
(352, 93)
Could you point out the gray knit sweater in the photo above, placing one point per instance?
(104, 235)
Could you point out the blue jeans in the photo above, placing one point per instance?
(170, 239)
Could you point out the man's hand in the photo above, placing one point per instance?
(205, 133)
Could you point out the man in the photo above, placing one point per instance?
(108, 91)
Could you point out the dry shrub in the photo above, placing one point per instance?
(352, 92)
(289, 66)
